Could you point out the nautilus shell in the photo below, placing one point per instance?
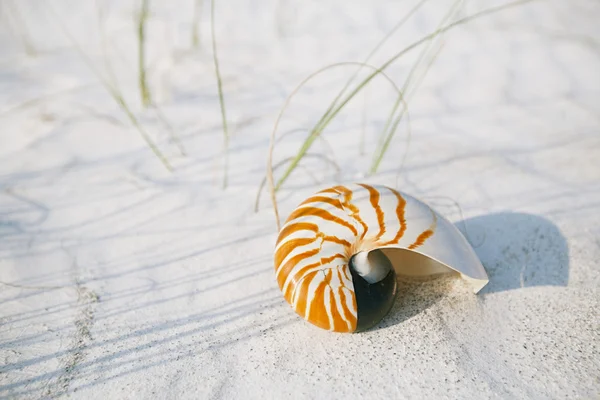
(339, 251)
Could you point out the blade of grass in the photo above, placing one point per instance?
(113, 91)
(317, 131)
(220, 88)
(20, 28)
(326, 116)
(196, 23)
(281, 163)
(363, 127)
(41, 99)
(272, 188)
(391, 124)
(408, 125)
(326, 144)
(413, 69)
(141, 31)
(399, 118)
(170, 130)
(114, 83)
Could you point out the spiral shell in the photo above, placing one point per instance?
(324, 284)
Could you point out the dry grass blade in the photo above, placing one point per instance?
(331, 112)
(220, 87)
(326, 144)
(113, 82)
(196, 24)
(272, 188)
(141, 31)
(114, 92)
(304, 148)
(20, 28)
(174, 136)
(42, 98)
(282, 163)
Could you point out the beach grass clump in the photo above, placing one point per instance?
(113, 90)
(424, 62)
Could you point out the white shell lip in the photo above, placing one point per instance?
(445, 250)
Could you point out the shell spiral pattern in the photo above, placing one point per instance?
(315, 253)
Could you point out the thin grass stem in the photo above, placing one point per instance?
(392, 123)
(270, 179)
(327, 116)
(281, 163)
(20, 28)
(196, 23)
(141, 31)
(114, 93)
(315, 132)
(220, 88)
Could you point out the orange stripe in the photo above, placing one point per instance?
(318, 212)
(297, 283)
(421, 239)
(340, 277)
(298, 279)
(355, 211)
(303, 296)
(332, 201)
(284, 270)
(337, 240)
(324, 261)
(351, 318)
(374, 198)
(345, 270)
(299, 276)
(345, 309)
(318, 313)
(329, 190)
(290, 246)
(342, 190)
(339, 325)
(400, 214)
(292, 228)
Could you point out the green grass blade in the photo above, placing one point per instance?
(394, 127)
(316, 132)
(144, 91)
(324, 120)
(196, 24)
(270, 179)
(220, 88)
(281, 163)
(20, 27)
(114, 93)
(392, 123)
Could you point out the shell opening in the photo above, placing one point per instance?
(373, 266)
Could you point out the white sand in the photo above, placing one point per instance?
(136, 283)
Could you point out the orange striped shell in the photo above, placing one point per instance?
(320, 236)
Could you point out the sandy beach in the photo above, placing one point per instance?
(121, 279)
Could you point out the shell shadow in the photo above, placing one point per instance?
(518, 250)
